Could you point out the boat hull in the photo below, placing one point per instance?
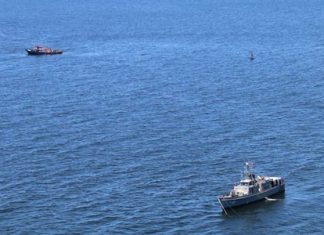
(33, 52)
(244, 200)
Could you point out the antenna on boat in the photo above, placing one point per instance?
(249, 165)
(247, 170)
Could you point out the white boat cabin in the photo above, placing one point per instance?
(250, 184)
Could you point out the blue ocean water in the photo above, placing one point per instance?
(152, 110)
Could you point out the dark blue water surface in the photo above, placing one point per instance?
(152, 110)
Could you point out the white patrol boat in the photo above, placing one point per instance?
(251, 188)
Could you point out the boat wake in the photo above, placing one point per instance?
(272, 199)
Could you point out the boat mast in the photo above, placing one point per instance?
(247, 170)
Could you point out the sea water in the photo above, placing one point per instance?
(152, 110)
